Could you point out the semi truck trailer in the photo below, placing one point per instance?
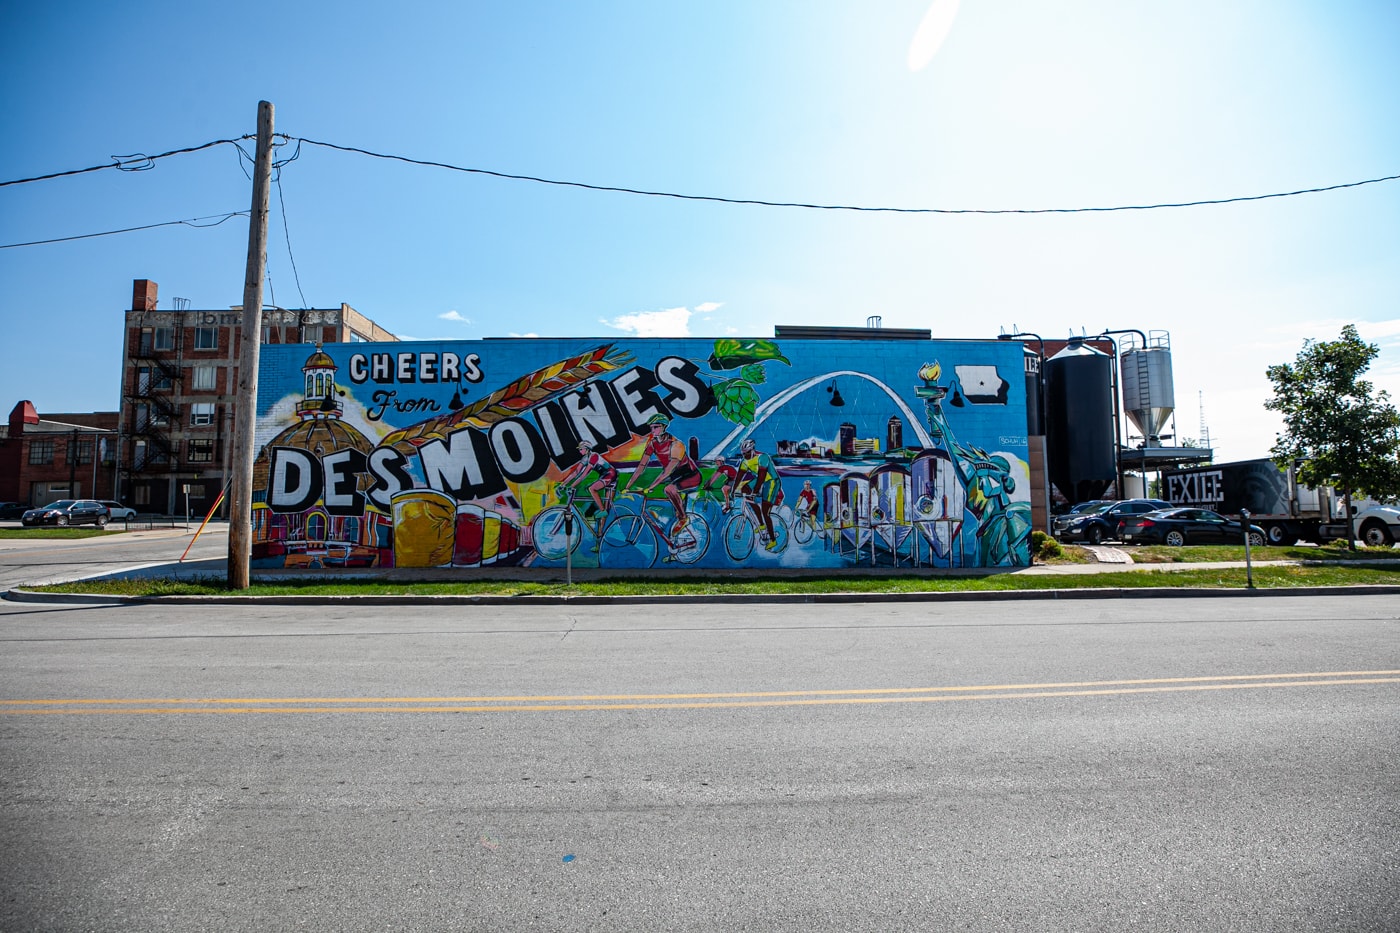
(1286, 510)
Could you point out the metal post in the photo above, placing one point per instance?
(569, 548)
(240, 529)
(1248, 565)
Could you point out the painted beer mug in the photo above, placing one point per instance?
(424, 528)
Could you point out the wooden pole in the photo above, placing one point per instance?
(240, 522)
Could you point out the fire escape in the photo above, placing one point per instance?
(153, 390)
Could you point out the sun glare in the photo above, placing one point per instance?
(933, 30)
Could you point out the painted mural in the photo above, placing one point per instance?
(642, 453)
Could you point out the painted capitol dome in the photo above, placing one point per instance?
(314, 537)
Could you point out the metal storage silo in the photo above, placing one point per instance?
(1079, 421)
(1146, 371)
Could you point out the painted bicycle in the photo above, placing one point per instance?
(745, 529)
(552, 534)
(638, 530)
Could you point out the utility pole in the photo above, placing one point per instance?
(240, 525)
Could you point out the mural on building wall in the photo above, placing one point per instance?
(642, 453)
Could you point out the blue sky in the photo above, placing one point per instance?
(1023, 105)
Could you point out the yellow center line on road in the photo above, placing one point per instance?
(243, 705)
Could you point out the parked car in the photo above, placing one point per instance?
(1095, 525)
(11, 511)
(68, 512)
(1061, 521)
(1176, 527)
(118, 512)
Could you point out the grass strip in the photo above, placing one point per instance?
(53, 531)
(1227, 578)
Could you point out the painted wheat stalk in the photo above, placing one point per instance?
(521, 395)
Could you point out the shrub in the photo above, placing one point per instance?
(1044, 547)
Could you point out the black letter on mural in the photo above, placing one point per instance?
(343, 469)
(596, 415)
(462, 465)
(389, 468)
(559, 436)
(294, 480)
(519, 450)
(690, 397)
(639, 402)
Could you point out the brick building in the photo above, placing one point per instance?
(57, 456)
(179, 387)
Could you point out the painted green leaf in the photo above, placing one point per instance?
(732, 354)
(736, 401)
(754, 373)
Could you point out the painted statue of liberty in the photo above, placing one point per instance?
(1002, 526)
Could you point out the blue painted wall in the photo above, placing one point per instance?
(468, 454)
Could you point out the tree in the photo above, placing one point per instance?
(1338, 429)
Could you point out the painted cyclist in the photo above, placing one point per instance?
(679, 473)
(592, 462)
(758, 476)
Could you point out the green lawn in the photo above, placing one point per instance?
(1192, 554)
(53, 531)
(1233, 578)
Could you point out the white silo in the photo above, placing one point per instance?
(1146, 373)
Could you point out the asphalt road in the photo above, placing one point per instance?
(55, 560)
(1174, 764)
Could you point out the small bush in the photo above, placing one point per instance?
(1045, 547)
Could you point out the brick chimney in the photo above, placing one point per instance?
(143, 295)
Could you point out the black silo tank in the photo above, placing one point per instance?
(1079, 421)
(1035, 403)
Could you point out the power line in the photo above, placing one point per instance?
(195, 222)
(137, 162)
(836, 207)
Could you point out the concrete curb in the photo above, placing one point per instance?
(86, 599)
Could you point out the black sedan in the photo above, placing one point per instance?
(1176, 527)
(68, 512)
(1104, 521)
(11, 511)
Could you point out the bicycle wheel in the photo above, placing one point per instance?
(802, 527)
(781, 535)
(551, 540)
(690, 544)
(627, 542)
(738, 537)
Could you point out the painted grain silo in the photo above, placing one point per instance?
(1079, 421)
(1146, 371)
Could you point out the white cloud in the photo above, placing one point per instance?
(933, 30)
(672, 322)
(706, 307)
(455, 316)
(514, 334)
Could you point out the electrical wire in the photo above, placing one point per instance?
(138, 162)
(194, 222)
(287, 237)
(837, 207)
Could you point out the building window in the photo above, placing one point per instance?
(165, 338)
(151, 379)
(80, 450)
(199, 450)
(41, 451)
(141, 494)
(201, 413)
(206, 338)
(204, 378)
